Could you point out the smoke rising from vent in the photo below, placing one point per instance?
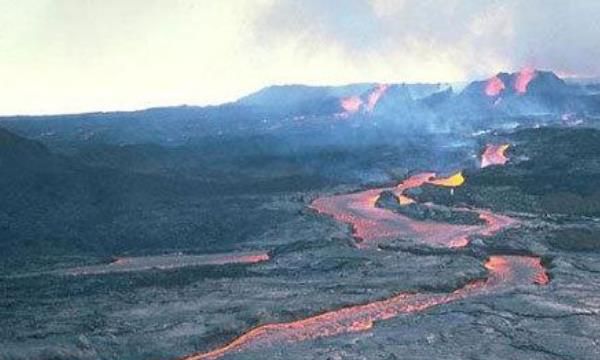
(74, 56)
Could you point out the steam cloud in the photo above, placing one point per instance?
(461, 38)
(74, 56)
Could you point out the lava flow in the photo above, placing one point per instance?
(375, 96)
(494, 155)
(168, 262)
(494, 86)
(523, 79)
(371, 224)
(351, 104)
(451, 181)
(503, 272)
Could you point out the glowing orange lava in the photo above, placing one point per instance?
(372, 225)
(167, 262)
(494, 155)
(451, 181)
(494, 86)
(246, 259)
(375, 96)
(503, 272)
(412, 182)
(512, 270)
(351, 104)
(405, 200)
(369, 223)
(523, 79)
(415, 181)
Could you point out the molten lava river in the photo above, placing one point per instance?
(373, 225)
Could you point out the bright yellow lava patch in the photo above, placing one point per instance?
(452, 181)
(405, 200)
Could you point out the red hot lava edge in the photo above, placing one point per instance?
(372, 225)
(369, 223)
(503, 272)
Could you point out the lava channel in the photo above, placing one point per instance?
(168, 262)
(371, 224)
(494, 155)
(504, 272)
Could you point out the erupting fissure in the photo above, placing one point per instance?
(494, 86)
(354, 104)
(351, 104)
(494, 155)
(519, 82)
(523, 79)
(375, 96)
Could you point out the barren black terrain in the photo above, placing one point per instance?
(301, 222)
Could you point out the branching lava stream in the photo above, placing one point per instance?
(372, 225)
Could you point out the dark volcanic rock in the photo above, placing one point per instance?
(559, 176)
(576, 239)
(388, 200)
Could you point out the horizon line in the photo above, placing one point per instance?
(157, 106)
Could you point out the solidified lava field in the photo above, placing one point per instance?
(253, 255)
(371, 224)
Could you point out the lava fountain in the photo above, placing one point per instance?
(494, 155)
(494, 86)
(375, 96)
(523, 79)
(504, 272)
(351, 104)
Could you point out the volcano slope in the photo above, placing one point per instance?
(319, 293)
(495, 323)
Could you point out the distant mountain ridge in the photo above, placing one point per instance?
(528, 91)
(288, 110)
(324, 100)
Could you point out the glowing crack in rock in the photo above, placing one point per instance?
(523, 79)
(504, 272)
(494, 86)
(494, 155)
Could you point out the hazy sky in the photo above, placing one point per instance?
(60, 56)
